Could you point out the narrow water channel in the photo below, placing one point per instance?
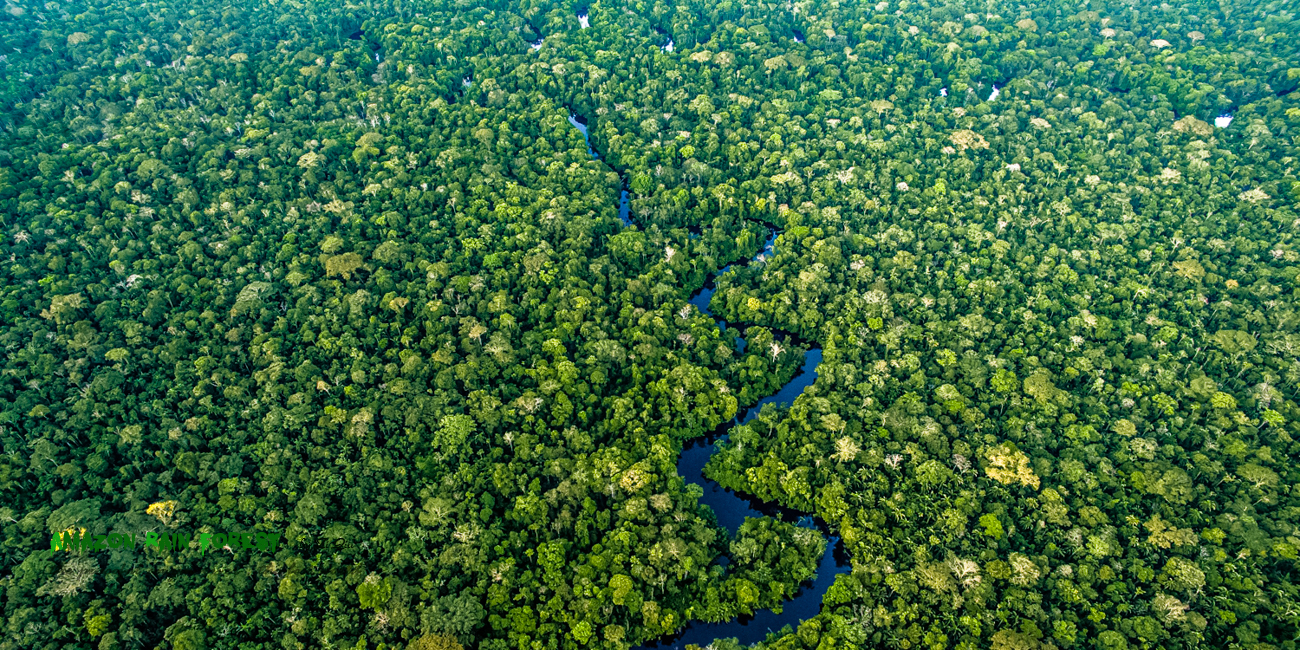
(731, 508)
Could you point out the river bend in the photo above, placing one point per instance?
(730, 508)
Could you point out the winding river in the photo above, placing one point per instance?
(730, 508)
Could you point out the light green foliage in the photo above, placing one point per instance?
(453, 431)
(1181, 574)
(992, 527)
(277, 264)
(374, 592)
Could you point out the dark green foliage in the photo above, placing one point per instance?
(259, 275)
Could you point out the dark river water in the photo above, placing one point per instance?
(731, 508)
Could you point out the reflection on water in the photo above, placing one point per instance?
(705, 294)
(732, 509)
(805, 604)
(624, 209)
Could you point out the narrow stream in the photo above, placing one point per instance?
(581, 125)
(730, 508)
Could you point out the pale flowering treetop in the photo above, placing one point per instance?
(1253, 196)
(968, 139)
(1008, 465)
(846, 450)
(1159, 43)
(961, 463)
(1193, 125)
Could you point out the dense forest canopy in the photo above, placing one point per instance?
(348, 273)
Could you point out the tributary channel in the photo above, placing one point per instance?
(731, 508)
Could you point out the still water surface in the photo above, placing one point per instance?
(730, 508)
